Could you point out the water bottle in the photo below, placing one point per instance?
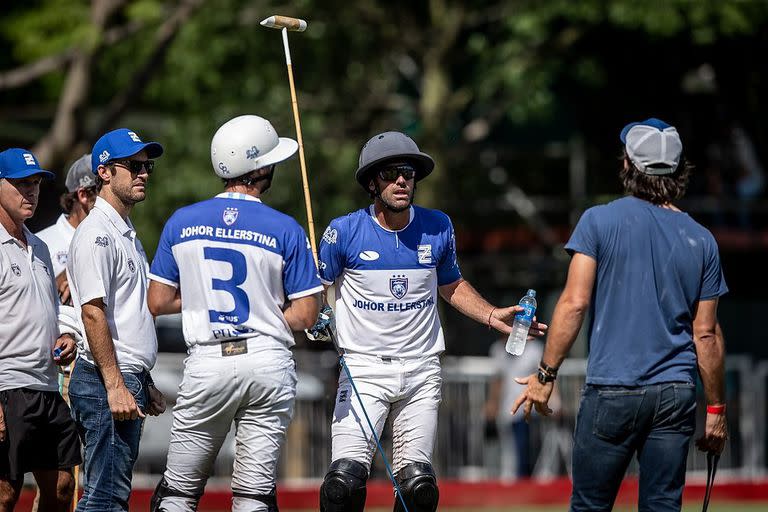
(519, 334)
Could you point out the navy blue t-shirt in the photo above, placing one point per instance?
(653, 265)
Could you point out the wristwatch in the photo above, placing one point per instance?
(545, 377)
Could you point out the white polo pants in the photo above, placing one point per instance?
(255, 390)
(407, 389)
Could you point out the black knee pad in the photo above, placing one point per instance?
(163, 491)
(269, 499)
(343, 488)
(418, 485)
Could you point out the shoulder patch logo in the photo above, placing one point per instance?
(425, 254)
(61, 257)
(369, 255)
(330, 235)
(102, 241)
(15, 269)
(230, 215)
(131, 266)
(398, 286)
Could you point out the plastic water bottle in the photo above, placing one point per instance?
(519, 334)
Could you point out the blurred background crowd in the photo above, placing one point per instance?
(520, 102)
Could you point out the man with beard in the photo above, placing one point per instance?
(111, 390)
(243, 277)
(388, 262)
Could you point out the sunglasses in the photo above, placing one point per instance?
(391, 172)
(136, 166)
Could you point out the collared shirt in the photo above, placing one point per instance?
(238, 262)
(107, 261)
(57, 237)
(387, 281)
(28, 309)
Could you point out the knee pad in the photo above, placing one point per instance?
(343, 488)
(163, 491)
(270, 499)
(418, 485)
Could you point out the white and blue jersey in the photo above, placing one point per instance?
(387, 281)
(237, 262)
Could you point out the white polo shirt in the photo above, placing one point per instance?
(107, 261)
(28, 309)
(57, 237)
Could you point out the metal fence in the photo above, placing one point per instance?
(463, 447)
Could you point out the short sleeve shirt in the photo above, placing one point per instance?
(28, 308)
(387, 281)
(653, 266)
(237, 262)
(58, 237)
(107, 261)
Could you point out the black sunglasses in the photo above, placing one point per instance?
(391, 172)
(135, 166)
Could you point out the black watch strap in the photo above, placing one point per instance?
(545, 377)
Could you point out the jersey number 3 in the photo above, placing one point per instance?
(231, 286)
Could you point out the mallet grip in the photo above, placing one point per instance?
(292, 24)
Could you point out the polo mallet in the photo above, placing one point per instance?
(284, 23)
(712, 460)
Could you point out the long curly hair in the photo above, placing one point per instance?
(655, 189)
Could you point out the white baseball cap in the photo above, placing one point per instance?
(653, 146)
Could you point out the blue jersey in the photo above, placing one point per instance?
(653, 266)
(387, 281)
(237, 262)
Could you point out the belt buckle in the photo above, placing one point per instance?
(234, 348)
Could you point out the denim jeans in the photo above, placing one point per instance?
(655, 422)
(111, 447)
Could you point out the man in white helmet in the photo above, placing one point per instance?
(243, 277)
(389, 262)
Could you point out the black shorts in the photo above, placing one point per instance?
(40, 433)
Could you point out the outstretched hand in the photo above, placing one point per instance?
(535, 395)
(507, 316)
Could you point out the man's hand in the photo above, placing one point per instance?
(715, 434)
(321, 331)
(62, 285)
(64, 350)
(535, 395)
(156, 401)
(122, 404)
(2, 424)
(507, 315)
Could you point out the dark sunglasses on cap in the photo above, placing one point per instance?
(135, 166)
(391, 172)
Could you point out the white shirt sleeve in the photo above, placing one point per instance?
(93, 263)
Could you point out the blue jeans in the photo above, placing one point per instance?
(655, 422)
(111, 447)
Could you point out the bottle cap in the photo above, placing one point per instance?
(532, 293)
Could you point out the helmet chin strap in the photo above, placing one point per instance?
(252, 180)
(377, 194)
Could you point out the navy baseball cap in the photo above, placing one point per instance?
(20, 163)
(653, 146)
(121, 143)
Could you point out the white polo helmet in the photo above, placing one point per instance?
(247, 143)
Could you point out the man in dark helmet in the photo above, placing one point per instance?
(387, 263)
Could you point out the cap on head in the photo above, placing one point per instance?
(247, 143)
(653, 146)
(121, 143)
(389, 146)
(80, 174)
(21, 163)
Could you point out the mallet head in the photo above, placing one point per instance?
(279, 22)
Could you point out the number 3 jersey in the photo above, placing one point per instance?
(237, 262)
(387, 281)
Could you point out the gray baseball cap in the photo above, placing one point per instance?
(653, 146)
(390, 146)
(80, 174)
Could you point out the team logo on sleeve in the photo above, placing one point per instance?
(15, 269)
(229, 216)
(61, 257)
(131, 266)
(425, 254)
(330, 235)
(398, 286)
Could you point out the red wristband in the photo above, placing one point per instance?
(716, 409)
